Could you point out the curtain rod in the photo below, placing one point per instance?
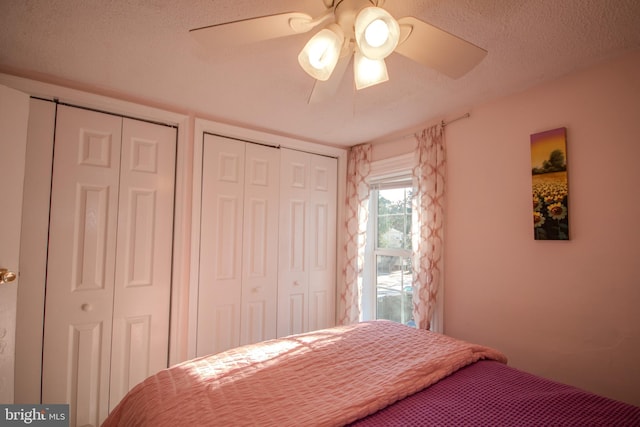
(464, 116)
(443, 124)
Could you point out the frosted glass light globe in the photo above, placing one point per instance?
(320, 55)
(377, 33)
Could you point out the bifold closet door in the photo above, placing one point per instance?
(80, 273)
(109, 266)
(260, 244)
(142, 295)
(220, 276)
(307, 243)
(322, 241)
(238, 244)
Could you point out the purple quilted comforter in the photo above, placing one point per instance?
(488, 393)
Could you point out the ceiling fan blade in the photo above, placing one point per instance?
(251, 30)
(323, 90)
(438, 49)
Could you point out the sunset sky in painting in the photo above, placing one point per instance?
(543, 143)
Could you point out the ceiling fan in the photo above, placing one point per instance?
(358, 29)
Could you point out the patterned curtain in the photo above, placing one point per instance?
(357, 213)
(428, 208)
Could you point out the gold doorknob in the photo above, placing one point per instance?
(7, 276)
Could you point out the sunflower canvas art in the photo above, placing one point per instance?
(550, 185)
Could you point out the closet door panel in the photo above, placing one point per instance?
(307, 275)
(260, 247)
(143, 265)
(220, 276)
(80, 269)
(322, 241)
(293, 292)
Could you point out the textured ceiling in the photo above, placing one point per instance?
(142, 48)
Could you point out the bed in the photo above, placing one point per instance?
(377, 373)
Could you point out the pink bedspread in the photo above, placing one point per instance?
(324, 378)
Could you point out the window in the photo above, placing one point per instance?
(392, 252)
(387, 291)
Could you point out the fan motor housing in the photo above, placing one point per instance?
(346, 12)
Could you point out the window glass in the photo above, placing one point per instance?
(394, 218)
(393, 288)
(391, 254)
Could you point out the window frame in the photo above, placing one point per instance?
(389, 173)
(389, 169)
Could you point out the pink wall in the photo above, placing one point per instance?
(566, 310)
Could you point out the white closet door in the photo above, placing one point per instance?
(293, 286)
(80, 271)
(220, 276)
(109, 266)
(322, 241)
(140, 341)
(260, 244)
(307, 265)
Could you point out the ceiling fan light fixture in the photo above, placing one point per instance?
(368, 72)
(377, 32)
(320, 55)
